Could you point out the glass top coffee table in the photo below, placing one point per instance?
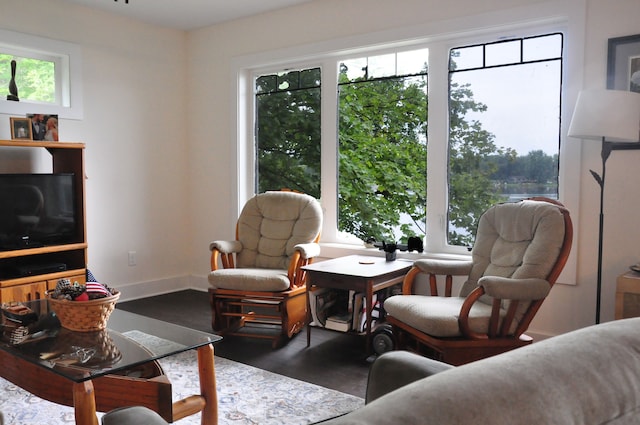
(104, 370)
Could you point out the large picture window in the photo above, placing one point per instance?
(504, 131)
(497, 108)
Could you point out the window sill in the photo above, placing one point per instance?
(334, 250)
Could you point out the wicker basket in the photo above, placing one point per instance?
(84, 316)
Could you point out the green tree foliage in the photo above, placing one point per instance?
(288, 132)
(535, 167)
(382, 156)
(35, 78)
(471, 189)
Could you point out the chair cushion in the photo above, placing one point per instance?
(271, 280)
(271, 224)
(436, 316)
(520, 240)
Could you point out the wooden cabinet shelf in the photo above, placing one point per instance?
(43, 250)
(66, 157)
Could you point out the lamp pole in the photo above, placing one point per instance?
(606, 151)
(607, 147)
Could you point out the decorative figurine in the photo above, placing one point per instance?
(13, 89)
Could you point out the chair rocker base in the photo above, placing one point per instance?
(454, 351)
(278, 315)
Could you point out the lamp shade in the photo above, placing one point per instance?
(610, 114)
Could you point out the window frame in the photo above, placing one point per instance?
(457, 32)
(68, 75)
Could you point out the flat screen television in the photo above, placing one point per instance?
(37, 210)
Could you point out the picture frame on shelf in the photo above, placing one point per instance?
(623, 63)
(44, 127)
(38, 126)
(21, 128)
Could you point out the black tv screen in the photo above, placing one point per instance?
(37, 210)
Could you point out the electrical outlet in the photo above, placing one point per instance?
(132, 258)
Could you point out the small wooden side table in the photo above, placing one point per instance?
(359, 273)
(628, 295)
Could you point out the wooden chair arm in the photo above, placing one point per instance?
(226, 258)
(410, 278)
(224, 251)
(463, 319)
(297, 276)
(495, 328)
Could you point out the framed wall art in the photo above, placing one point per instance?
(20, 128)
(623, 63)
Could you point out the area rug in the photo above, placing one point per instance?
(246, 396)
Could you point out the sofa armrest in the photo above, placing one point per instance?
(134, 415)
(396, 369)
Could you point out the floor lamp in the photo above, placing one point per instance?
(613, 117)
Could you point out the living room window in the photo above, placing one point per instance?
(407, 140)
(36, 77)
(382, 145)
(46, 70)
(504, 131)
(288, 131)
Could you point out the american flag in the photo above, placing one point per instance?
(97, 288)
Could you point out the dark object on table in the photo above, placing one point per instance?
(19, 313)
(13, 89)
(46, 326)
(415, 243)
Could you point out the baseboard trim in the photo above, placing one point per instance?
(538, 336)
(134, 291)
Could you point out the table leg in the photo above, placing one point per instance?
(309, 318)
(84, 402)
(369, 313)
(207, 375)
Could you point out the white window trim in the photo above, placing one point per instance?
(68, 58)
(440, 37)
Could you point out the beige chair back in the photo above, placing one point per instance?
(271, 224)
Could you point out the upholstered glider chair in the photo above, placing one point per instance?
(519, 251)
(256, 280)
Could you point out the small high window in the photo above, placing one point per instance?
(46, 71)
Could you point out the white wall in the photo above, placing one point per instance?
(134, 127)
(157, 123)
(569, 307)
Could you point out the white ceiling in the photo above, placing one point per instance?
(187, 14)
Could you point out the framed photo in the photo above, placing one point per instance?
(623, 63)
(38, 126)
(21, 128)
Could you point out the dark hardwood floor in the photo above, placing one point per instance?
(334, 360)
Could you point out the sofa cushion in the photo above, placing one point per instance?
(588, 377)
(135, 415)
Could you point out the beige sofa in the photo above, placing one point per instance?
(589, 376)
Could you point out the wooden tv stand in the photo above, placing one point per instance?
(66, 158)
